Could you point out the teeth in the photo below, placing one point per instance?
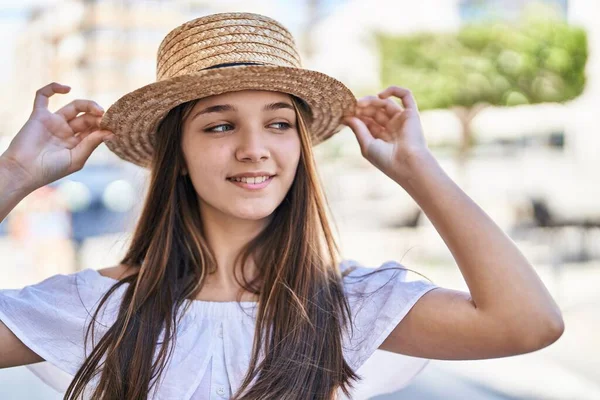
(251, 180)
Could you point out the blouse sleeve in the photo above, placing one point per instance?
(51, 317)
(379, 299)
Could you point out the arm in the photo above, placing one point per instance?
(48, 147)
(12, 351)
(12, 188)
(508, 310)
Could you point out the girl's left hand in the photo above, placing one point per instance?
(388, 134)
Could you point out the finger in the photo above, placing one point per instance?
(371, 102)
(84, 122)
(392, 107)
(75, 107)
(389, 104)
(402, 93)
(376, 129)
(377, 114)
(381, 117)
(42, 95)
(88, 144)
(362, 133)
(366, 100)
(368, 111)
(372, 106)
(373, 126)
(398, 121)
(73, 140)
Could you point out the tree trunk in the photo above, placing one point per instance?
(466, 116)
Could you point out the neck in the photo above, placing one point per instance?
(226, 236)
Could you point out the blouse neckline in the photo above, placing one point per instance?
(202, 307)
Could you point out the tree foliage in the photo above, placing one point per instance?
(502, 64)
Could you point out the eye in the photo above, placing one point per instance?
(217, 128)
(214, 128)
(284, 125)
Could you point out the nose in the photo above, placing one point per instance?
(252, 146)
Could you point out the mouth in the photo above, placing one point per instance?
(252, 183)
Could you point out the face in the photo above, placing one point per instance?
(239, 133)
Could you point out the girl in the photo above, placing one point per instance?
(232, 286)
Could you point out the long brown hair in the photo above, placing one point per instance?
(300, 293)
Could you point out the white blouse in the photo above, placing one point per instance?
(214, 339)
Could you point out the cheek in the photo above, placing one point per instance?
(206, 165)
(205, 171)
(290, 152)
(294, 158)
(201, 156)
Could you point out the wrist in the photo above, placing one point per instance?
(13, 177)
(412, 166)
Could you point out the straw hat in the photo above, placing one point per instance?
(216, 54)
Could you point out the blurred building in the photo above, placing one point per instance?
(101, 48)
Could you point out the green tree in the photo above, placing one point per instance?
(530, 61)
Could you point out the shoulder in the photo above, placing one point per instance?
(383, 285)
(118, 272)
(378, 273)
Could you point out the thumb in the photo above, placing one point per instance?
(86, 147)
(362, 133)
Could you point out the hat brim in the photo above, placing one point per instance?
(134, 117)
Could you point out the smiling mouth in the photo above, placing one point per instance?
(251, 180)
(252, 183)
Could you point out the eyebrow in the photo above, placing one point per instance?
(220, 108)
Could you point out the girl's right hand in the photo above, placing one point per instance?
(50, 145)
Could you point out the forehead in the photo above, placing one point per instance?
(244, 97)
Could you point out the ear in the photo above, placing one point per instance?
(184, 171)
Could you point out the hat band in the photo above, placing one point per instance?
(231, 65)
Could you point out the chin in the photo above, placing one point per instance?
(255, 217)
(254, 214)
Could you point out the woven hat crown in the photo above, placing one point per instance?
(222, 39)
(217, 54)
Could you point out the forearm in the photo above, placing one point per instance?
(12, 189)
(501, 281)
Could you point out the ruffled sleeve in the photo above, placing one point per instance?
(379, 299)
(51, 318)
